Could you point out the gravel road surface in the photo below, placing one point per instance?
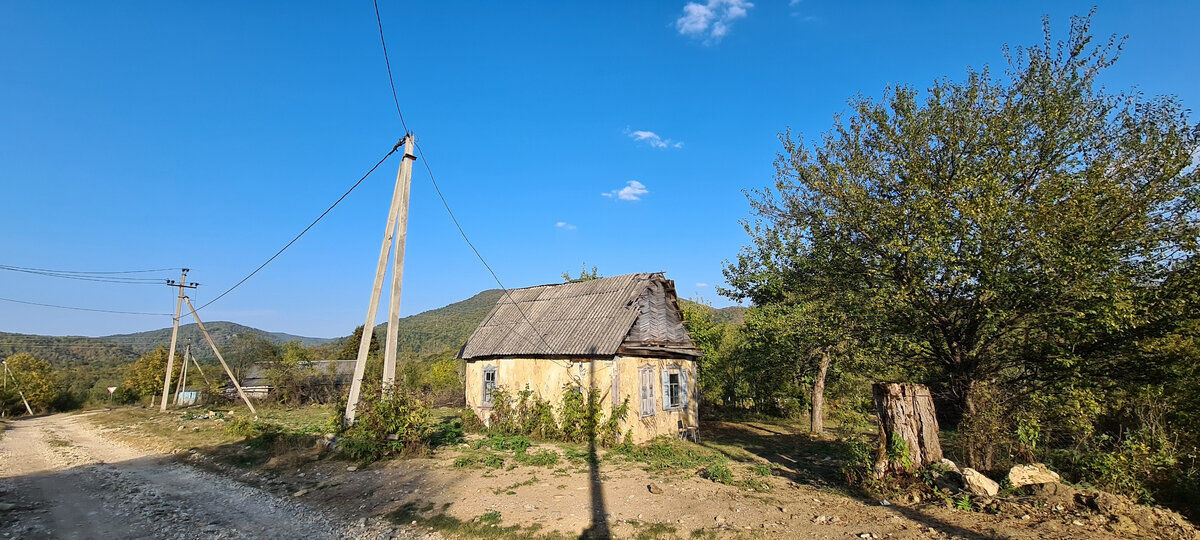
(60, 478)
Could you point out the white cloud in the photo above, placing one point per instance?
(565, 225)
(632, 191)
(710, 21)
(793, 3)
(653, 139)
(701, 285)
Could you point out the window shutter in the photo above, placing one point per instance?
(683, 389)
(666, 385)
(647, 388)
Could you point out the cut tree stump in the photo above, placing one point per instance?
(906, 421)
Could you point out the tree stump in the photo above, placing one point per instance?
(908, 438)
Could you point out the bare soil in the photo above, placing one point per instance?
(307, 493)
(60, 477)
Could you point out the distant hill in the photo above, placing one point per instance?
(434, 331)
(222, 333)
(731, 314)
(440, 329)
(63, 351)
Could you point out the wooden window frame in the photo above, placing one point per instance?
(486, 401)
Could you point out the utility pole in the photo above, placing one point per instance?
(181, 285)
(394, 234)
(182, 380)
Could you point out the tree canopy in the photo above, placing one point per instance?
(990, 229)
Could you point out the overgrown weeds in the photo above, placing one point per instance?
(390, 423)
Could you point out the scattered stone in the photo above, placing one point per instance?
(300, 493)
(978, 484)
(1037, 473)
(949, 465)
(820, 519)
(884, 503)
(655, 489)
(1057, 496)
(351, 468)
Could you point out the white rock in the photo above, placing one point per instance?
(978, 484)
(1037, 473)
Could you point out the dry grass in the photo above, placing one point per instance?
(182, 429)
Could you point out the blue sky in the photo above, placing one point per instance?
(139, 135)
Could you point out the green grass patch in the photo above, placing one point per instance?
(668, 453)
(540, 458)
(509, 489)
(487, 525)
(654, 531)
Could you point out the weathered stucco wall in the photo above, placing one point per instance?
(546, 378)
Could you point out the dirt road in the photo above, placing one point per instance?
(59, 478)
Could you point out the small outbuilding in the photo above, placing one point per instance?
(620, 336)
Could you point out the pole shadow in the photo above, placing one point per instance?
(599, 527)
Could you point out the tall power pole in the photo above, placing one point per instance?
(181, 285)
(393, 234)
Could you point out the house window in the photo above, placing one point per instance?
(646, 384)
(674, 388)
(489, 385)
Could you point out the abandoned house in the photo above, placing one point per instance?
(621, 336)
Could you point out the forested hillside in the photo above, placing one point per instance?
(67, 350)
(444, 328)
(222, 333)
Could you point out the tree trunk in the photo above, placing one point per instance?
(818, 394)
(908, 425)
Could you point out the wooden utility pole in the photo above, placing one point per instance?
(181, 285)
(183, 369)
(221, 358)
(394, 233)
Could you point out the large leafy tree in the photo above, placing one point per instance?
(33, 377)
(145, 376)
(247, 349)
(990, 228)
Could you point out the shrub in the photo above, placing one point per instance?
(389, 425)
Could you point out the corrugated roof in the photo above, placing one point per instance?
(584, 318)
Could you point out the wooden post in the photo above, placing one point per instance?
(174, 336)
(403, 181)
(219, 357)
(907, 420)
(183, 369)
(364, 345)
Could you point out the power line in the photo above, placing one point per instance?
(396, 100)
(391, 80)
(85, 309)
(82, 272)
(100, 277)
(310, 225)
(478, 255)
